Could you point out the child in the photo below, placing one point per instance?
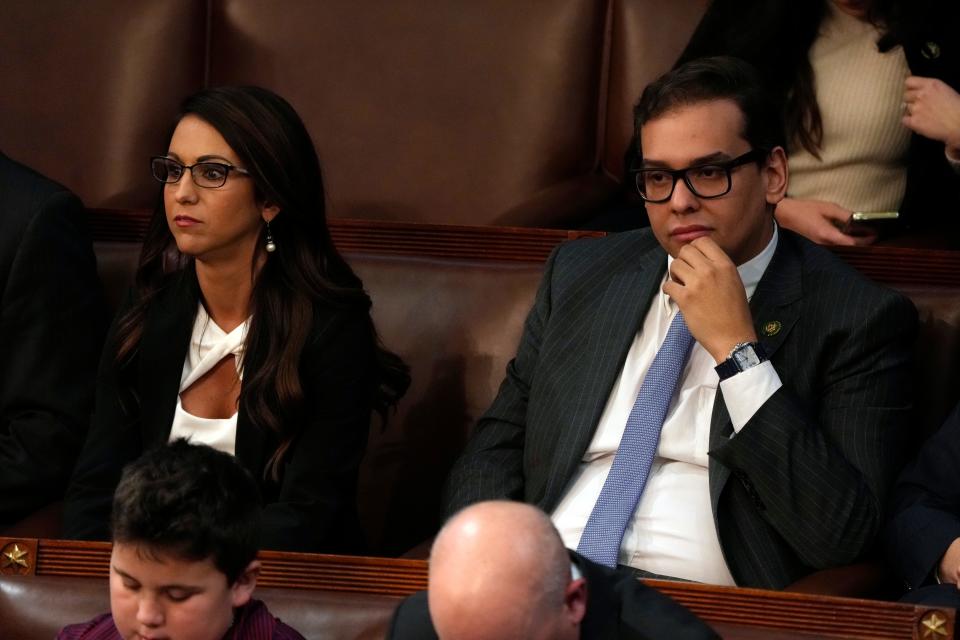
(185, 535)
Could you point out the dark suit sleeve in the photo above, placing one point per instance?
(114, 441)
(411, 620)
(491, 466)
(819, 472)
(51, 329)
(315, 507)
(647, 614)
(925, 508)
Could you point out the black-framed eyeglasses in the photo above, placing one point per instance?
(208, 175)
(709, 180)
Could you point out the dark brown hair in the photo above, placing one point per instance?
(714, 78)
(273, 144)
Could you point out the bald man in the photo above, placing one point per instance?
(499, 570)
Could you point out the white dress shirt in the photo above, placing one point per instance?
(209, 344)
(672, 532)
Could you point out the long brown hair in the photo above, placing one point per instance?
(273, 144)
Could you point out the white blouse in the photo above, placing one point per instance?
(209, 344)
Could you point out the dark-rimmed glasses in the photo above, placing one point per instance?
(709, 180)
(208, 175)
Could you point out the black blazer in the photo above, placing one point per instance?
(619, 607)
(761, 32)
(925, 507)
(313, 506)
(810, 470)
(52, 321)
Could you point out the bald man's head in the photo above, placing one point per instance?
(500, 570)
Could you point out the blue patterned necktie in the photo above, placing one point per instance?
(624, 484)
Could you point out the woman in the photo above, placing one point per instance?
(870, 106)
(245, 330)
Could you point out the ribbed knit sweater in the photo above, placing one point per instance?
(862, 163)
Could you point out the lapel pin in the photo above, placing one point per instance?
(930, 51)
(771, 328)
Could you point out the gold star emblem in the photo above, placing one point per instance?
(933, 626)
(771, 328)
(16, 557)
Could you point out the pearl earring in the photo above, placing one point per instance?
(271, 245)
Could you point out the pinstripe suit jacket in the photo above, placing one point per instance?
(801, 486)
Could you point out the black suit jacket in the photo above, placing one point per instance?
(925, 507)
(619, 607)
(802, 484)
(52, 320)
(313, 506)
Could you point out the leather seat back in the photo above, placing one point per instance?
(91, 89)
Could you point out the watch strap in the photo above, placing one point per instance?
(730, 367)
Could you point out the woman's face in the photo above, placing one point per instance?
(214, 225)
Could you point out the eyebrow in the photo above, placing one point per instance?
(165, 587)
(204, 158)
(207, 158)
(716, 156)
(123, 573)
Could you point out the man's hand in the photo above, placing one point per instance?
(950, 564)
(823, 222)
(706, 286)
(932, 109)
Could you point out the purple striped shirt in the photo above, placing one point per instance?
(251, 622)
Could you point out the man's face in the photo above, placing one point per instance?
(169, 598)
(740, 222)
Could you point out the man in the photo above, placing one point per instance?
(52, 320)
(185, 525)
(768, 467)
(923, 535)
(499, 570)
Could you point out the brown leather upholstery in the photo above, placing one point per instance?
(445, 112)
(36, 607)
(456, 324)
(647, 38)
(116, 265)
(481, 113)
(90, 89)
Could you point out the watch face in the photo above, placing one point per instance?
(746, 357)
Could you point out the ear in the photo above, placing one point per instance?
(575, 600)
(269, 211)
(777, 175)
(242, 590)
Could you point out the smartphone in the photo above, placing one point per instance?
(873, 216)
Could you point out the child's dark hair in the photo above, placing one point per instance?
(192, 502)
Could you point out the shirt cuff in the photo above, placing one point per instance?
(953, 160)
(746, 392)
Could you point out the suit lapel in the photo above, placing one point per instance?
(775, 308)
(163, 347)
(615, 321)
